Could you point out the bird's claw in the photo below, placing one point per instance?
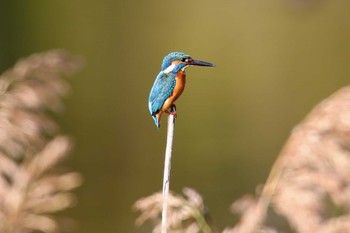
(172, 111)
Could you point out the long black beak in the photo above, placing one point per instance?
(200, 63)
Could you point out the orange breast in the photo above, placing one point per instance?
(180, 84)
(179, 87)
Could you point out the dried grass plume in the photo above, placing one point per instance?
(31, 146)
(186, 214)
(308, 189)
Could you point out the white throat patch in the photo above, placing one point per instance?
(169, 69)
(172, 67)
(183, 69)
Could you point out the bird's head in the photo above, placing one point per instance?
(175, 61)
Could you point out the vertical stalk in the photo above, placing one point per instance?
(167, 168)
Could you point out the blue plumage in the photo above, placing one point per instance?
(162, 88)
(174, 56)
(165, 83)
(170, 83)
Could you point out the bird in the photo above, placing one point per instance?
(170, 83)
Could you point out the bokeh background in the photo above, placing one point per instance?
(275, 60)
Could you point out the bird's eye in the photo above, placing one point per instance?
(184, 59)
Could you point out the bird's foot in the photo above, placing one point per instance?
(172, 111)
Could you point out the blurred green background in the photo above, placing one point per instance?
(275, 60)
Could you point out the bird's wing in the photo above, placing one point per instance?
(162, 88)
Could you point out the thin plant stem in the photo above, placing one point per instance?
(204, 227)
(167, 168)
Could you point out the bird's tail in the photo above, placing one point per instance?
(156, 120)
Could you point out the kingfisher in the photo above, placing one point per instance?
(170, 83)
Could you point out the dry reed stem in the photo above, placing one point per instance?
(167, 168)
(30, 144)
